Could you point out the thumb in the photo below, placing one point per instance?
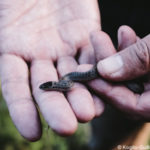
(132, 62)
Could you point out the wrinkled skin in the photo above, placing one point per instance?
(129, 63)
(35, 35)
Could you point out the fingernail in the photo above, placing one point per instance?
(111, 66)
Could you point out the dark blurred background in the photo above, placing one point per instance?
(134, 13)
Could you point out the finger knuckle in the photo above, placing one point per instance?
(142, 54)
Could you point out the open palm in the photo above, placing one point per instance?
(35, 37)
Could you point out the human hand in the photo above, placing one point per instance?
(34, 37)
(130, 63)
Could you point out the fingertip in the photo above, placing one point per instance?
(58, 113)
(126, 28)
(99, 106)
(126, 36)
(111, 67)
(66, 128)
(62, 122)
(82, 103)
(33, 138)
(26, 120)
(102, 45)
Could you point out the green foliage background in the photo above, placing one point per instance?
(10, 139)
